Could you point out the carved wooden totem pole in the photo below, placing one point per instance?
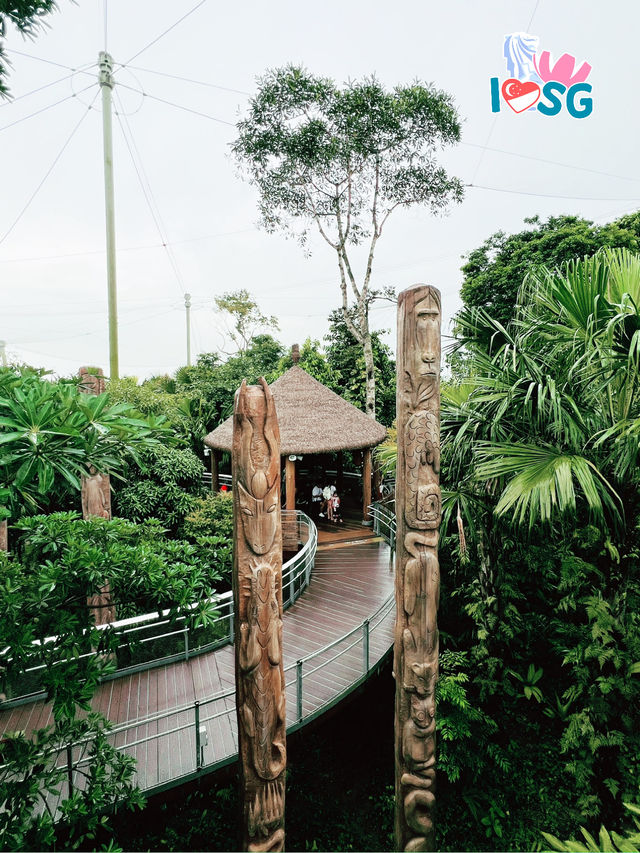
(418, 510)
(257, 595)
(96, 500)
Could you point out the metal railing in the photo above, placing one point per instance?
(188, 730)
(155, 639)
(384, 521)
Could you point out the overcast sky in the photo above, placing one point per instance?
(52, 261)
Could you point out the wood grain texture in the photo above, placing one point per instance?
(96, 500)
(418, 511)
(257, 590)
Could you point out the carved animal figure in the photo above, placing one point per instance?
(259, 513)
(258, 599)
(422, 455)
(261, 714)
(419, 511)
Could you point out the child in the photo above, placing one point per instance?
(335, 508)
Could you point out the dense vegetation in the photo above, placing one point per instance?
(493, 273)
(539, 696)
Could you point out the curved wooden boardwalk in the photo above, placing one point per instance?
(174, 721)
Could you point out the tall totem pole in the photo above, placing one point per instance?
(257, 596)
(418, 510)
(96, 499)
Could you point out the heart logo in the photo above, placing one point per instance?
(520, 96)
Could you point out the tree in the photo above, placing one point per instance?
(346, 360)
(215, 382)
(540, 446)
(493, 273)
(342, 161)
(51, 435)
(540, 477)
(57, 561)
(246, 316)
(27, 17)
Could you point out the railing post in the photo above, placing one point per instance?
(196, 706)
(186, 643)
(365, 645)
(231, 638)
(70, 769)
(299, 690)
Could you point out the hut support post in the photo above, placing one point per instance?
(366, 485)
(340, 472)
(257, 597)
(290, 484)
(290, 528)
(418, 512)
(215, 481)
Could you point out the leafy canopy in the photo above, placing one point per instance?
(494, 272)
(323, 153)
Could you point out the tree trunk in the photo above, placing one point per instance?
(418, 512)
(257, 596)
(367, 348)
(366, 485)
(4, 535)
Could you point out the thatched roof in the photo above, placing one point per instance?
(312, 419)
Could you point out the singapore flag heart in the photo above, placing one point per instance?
(520, 96)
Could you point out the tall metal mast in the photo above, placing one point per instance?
(187, 305)
(105, 64)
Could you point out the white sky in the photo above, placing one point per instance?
(53, 308)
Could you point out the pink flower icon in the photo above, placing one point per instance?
(563, 70)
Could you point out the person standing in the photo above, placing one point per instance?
(316, 501)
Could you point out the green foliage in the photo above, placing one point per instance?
(51, 435)
(216, 382)
(606, 841)
(539, 456)
(340, 161)
(246, 316)
(59, 561)
(27, 16)
(211, 516)
(347, 365)
(164, 483)
(142, 566)
(314, 361)
(493, 273)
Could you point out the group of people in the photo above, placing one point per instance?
(325, 503)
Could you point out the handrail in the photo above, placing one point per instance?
(296, 575)
(302, 705)
(382, 611)
(384, 521)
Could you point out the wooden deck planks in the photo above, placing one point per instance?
(349, 583)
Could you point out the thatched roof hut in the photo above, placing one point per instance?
(312, 419)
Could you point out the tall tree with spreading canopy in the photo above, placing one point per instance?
(342, 160)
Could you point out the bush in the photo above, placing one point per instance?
(163, 485)
(210, 516)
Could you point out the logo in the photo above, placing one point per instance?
(534, 84)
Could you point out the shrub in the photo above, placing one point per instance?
(211, 516)
(163, 485)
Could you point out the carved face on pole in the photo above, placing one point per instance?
(426, 354)
(260, 686)
(418, 504)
